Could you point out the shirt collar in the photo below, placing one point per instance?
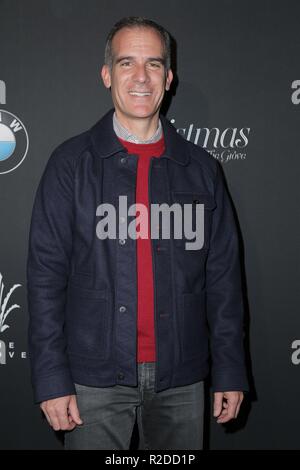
(125, 134)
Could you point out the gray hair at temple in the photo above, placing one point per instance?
(138, 22)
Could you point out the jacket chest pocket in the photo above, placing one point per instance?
(192, 228)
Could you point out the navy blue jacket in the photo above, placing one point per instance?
(77, 283)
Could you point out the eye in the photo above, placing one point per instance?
(154, 65)
(126, 64)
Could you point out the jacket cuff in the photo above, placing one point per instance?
(230, 380)
(56, 385)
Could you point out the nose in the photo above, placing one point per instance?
(141, 74)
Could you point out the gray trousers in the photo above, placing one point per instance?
(167, 420)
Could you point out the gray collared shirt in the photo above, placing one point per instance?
(125, 134)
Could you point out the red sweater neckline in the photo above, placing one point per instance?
(153, 148)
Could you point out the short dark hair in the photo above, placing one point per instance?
(138, 22)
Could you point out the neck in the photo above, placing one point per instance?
(144, 129)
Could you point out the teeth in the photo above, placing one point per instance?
(136, 93)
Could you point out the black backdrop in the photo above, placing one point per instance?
(238, 95)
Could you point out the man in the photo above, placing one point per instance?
(120, 326)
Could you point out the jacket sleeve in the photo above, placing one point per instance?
(225, 308)
(48, 262)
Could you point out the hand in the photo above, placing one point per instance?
(227, 405)
(62, 413)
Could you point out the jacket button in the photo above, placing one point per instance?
(122, 241)
(122, 309)
(123, 160)
(121, 376)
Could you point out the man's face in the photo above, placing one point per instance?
(138, 78)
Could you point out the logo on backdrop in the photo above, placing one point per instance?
(2, 92)
(14, 140)
(7, 348)
(296, 94)
(295, 357)
(226, 145)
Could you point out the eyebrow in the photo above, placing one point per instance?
(149, 59)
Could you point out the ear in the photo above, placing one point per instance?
(169, 79)
(105, 74)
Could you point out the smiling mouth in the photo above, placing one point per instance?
(138, 93)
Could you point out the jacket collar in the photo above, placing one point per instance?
(106, 143)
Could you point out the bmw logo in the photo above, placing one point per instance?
(14, 142)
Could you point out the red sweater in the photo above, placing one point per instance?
(145, 307)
